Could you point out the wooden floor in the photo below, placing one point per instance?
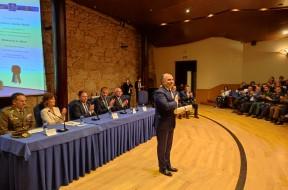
(206, 155)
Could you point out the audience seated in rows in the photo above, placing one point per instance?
(268, 101)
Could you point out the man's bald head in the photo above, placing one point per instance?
(167, 80)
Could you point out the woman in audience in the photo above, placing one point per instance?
(50, 113)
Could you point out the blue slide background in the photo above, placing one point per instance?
(21, 45)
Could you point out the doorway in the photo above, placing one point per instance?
(186, 73)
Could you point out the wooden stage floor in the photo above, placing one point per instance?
(219, 151)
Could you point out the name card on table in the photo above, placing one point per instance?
(50, 132)
(36, 130)
(114, 115)
(144, 108)
(133, 111)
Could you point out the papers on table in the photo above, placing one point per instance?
(72, 123)
(36, 130)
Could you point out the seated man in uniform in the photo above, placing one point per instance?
(17, 116)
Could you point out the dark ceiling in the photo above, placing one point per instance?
(247, 25)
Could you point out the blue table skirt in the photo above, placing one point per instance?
(60, 164)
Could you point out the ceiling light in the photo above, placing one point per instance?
(187, 10)
(187, 20)
(163, 24)
(235, 10)
(284, 32)
(263, 9)
(210, 15)
(150, 10)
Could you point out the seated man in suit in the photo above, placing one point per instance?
(82, 107)
(103, 104)
(120, 102)
(17, 116)
(186, 97)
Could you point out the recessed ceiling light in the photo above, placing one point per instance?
(263, 9)
(284, 32)
(95, 7)
(210, 15)
(163, 24)
(187, 10)
(187, 20)
(235, 10)
(150, 10)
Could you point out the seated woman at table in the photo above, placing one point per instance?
(50, 113)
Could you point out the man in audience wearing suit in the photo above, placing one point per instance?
(165, 104)
(82, 107)
(187, 98)
(103, 104)
(17, 116)
(120, 102)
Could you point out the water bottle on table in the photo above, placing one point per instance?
(81, 119)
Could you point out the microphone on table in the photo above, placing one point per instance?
(124, 109)
(97, 116)
(64, 127)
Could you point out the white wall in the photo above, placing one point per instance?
(219, 60)
(224, 61)
(264, 60)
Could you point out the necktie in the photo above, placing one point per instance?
(172, 95)
(85, 108)
(120, 101)
(105, 103)
(21, 113)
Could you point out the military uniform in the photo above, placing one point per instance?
(11, 119)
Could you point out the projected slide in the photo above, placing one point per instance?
(21, 49)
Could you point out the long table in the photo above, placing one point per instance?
(44, 163)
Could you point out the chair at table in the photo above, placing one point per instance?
(37, 114)
(142, 97)
(70, 105)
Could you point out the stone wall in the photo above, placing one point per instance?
(94, 52)
(46, 14)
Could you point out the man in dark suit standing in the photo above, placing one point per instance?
(82, 107)
(138, 87)
(165, 104)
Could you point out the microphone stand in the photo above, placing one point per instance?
(96, 117)
(64, 127)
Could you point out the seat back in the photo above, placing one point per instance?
(70, 105)
(37, 114)
(142, 97)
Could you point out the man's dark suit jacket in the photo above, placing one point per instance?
(164, 105)
(77, 110)
(126, 87)
(117, 106)
(100, 107)
(184, 99)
